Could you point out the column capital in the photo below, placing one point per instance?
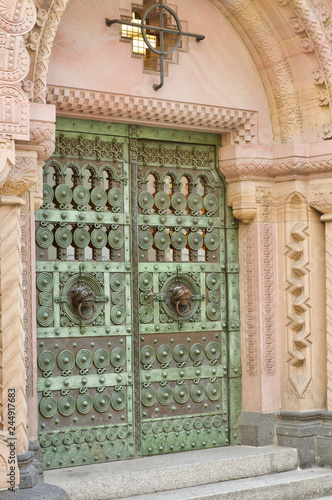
(320, 198)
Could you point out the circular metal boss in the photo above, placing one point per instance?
(44, 237)
(45, 316)
(81, 237)
(157, 427)
(118, 400)
(146, 428)
(122, 432)
(44, 282)
(117, 299)
(145, 282)
(145, 314)
(165, 395)
(100, 435)
(101, 358)
(162, 240)
(179, 201)
(212, 281)
(81, 195)
(46, 361)
(211, 203)
(197, 352)
(198, 423)
(98, 238)
(102, 401)
(188, 424)
(213, 311)
(56, 439)
(116, 239)
(179, 240)
(162, 200)
(111, 433)
(217, 421)
(117, 282)
(207, 422)
(181, 353)
(63, 194)
(67, 438)
(213, 351)
(79, 437)
(211, 241)
(115, 197)
(213, 296)
(118, 357)
(197, 393)
(164, 354)
(66, 360)
(89, 436)
(66, 405)
(45, 299)
(177, 425)
(195, 202)
(148, 396)
(147, 355)
(181, 393)
(145, 240)
(167, 426)
(213, 391)
(98, 197)
(63, 237)
(45, 440)
(48, 194)
(195, 241)
(145, 200)
(84, 359)
(48, 407)
(118, 315)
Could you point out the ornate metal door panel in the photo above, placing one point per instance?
(137, 286)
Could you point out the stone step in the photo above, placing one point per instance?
(292, 485)
(146, 475)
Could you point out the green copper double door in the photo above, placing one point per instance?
(137, 296)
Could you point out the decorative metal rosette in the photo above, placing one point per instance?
(162, 240)
(100, 435)
(164, 354)
(213, 311)
(63, 194)
(118, 315)
(213, 391)
(146, 428)
(81, 237)
(157, 427)
(102, 402)
(122, 432)
(45, 440)
(81, 195)
(89, 436)
(145, 240)
(145, 314)
(84, 359)
(46, 361)
(148, 396)
(67, 438)
(101, 358)
(217, 421)
(165, 395)
(197, 352)
(211, 241)
(213, 281)
(188, 424)
(118, 357)
(181, 353)
(111, 433)
(45, 316)
(98, 238)
(213, 296)
(44, 237)
(213, 351)
(145, 200)
(79, 437)
(63, 237)
(66, 405)
(98, 197)
(179, 201)
(195, 202)
(195, 240)
(145, 282)
(48, 407)
(162, 200)
(179, 240)
(48, 194)
(115, 197)
(118, 400)
(66, 360)
(177, 425)
(117, 282)
(147, 355)
(211, 203)
(197, 393)
(44, 282)
(116, 239)
(198, 423)
(117, 299)
(181, 393)
(167, 426)
(208, 422)
(56, 439)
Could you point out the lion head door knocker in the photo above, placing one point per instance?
(84, 300)
(181, 300)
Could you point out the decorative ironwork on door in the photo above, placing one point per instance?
(137, 283)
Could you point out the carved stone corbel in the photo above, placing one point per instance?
(241, 196)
